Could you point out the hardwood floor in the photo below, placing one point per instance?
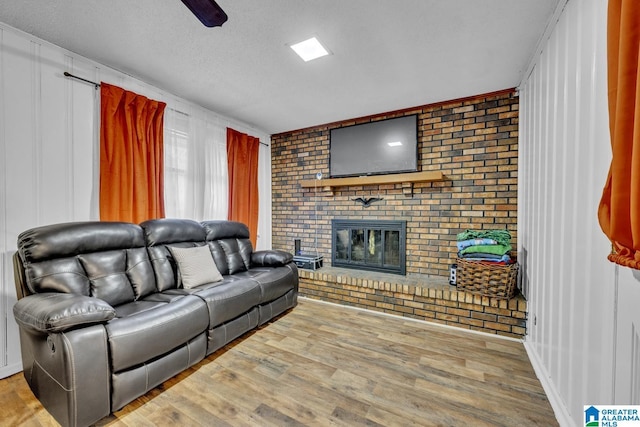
(326, 365)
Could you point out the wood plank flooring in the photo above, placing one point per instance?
(327, 365)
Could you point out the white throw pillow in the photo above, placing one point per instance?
(196, 266)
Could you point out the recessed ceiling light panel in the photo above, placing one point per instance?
(309, 49)
(394, 143)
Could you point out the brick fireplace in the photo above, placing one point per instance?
(473, 142)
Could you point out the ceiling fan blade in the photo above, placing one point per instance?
(207, 11)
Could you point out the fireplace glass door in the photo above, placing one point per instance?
(369, 245)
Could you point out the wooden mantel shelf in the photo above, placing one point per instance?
(406, 179)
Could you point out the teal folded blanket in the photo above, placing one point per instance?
(487, 249)
(503, 237)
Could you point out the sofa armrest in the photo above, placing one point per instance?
(57, 312)
(270, 258)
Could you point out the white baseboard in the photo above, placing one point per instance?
(559, 408)
(7, 371)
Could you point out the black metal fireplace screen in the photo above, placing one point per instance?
(369, 245)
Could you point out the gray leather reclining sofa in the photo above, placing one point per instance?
(104, 316)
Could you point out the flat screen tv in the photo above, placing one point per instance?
(373, 148)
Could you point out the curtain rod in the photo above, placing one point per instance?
(97, 85)
(66, 74)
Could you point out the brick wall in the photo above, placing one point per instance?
(473, 141)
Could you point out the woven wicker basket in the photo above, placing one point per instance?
(497, 281)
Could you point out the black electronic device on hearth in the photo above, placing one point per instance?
(308, 261)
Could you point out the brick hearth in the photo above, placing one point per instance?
(422, 297)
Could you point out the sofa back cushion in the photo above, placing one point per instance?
(107, 260)
(160, 235)
(230, 245)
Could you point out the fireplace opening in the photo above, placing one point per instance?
(369, 245)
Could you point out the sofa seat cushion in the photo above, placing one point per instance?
(153, 331)
(137, 307)
(229, 299)
(274, 281)
(165, 296)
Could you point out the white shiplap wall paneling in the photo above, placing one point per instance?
(18, 115)
(85, 153)
(564, 157)
(627, 384)
(4, 303)
(40, 112)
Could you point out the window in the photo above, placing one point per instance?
(196, 184)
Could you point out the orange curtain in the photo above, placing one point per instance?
(131, 156)
(242, 160)
(619, 212)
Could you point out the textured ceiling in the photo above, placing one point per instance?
(386, 54)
